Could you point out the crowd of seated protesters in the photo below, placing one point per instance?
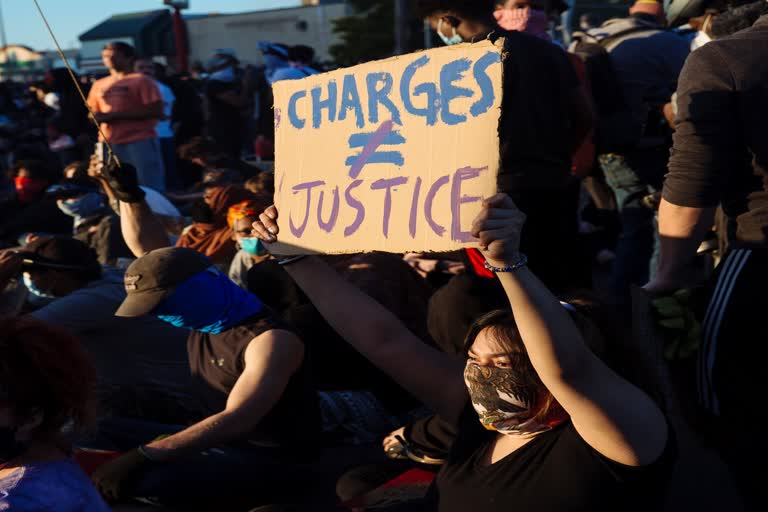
(155, 353)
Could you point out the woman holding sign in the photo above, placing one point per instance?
(542, 423)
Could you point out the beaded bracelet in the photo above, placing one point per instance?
(523, 261)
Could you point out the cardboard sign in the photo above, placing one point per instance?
(394, 155)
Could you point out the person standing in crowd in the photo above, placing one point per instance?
(164, 129)
(127, 106)
(300, 60)
(275, 58)
(720, 156)
(542, 422)
(537, 141)
(633, 145)
(229, 96)
(46, 382)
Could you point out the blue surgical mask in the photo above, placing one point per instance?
(208, 302)
(34, 290)
(252, 246)
(84, 206)
(449, 41)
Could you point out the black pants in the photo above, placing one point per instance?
(732, 375)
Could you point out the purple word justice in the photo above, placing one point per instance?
(419, 199)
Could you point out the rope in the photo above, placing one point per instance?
(111, 155)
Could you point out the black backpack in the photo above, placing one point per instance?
(615, 130)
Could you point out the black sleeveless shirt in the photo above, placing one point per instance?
(217, 361)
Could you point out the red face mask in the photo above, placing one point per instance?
(28, 189)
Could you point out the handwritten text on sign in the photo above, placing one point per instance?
(393, 155)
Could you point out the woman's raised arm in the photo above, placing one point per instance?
(613, 416)
(431, 376)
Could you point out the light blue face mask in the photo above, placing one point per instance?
(449, 41)
(84, 206)
(252, 246)
(34, 290)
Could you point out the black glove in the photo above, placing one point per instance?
(123, 181)
(115, 479)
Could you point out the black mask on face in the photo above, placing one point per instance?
(9, 446)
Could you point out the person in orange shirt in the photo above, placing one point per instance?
(128, 106)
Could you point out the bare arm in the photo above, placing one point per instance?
(611, 415)
(709, 142)
(142, 230)
(431, 376)
(270, 361)
(681, 230)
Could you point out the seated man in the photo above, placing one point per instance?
(141, 362)
(249, 372)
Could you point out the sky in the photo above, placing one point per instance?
(70, 18)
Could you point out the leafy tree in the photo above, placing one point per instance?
(369, 33)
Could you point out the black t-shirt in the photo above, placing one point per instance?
(721, 139)
(536, 124)
(217, 361)
(557, 471)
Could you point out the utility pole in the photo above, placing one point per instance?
(401, 26)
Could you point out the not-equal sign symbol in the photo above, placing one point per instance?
(370, 143)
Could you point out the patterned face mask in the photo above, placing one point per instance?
(504, 399)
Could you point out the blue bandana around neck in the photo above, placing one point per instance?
(208, 302)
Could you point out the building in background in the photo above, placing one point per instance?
(309, 25)
(23, 64)
(150, 32)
